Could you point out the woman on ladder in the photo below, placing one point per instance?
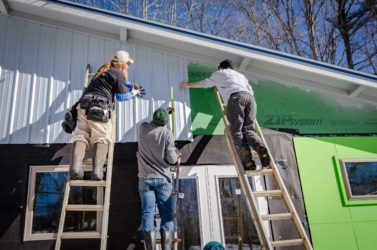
(94, 126)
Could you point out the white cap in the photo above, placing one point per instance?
(123, 56)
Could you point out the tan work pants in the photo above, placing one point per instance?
(91, 132)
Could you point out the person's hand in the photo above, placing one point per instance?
(185, 84)
(138, 90)
(169, 110)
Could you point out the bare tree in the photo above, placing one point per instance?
(349, 18)
(341, 32)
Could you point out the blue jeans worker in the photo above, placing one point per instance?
(237, 93)
(156, 152)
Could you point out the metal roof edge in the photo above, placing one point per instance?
(220, 40)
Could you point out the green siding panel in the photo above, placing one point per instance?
(366, 235)
(285, 106)
(337, 236)
(205, 113)
(333, 223)
(319, 182)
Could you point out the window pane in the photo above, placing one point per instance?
(188, 215)
(362, 178)
(238, 229)
(49, 192)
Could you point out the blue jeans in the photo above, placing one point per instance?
(152, 191)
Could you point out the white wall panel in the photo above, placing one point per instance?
(9, 76)
(59, 87)
(20, 126)
(43, 83)
(42, 69)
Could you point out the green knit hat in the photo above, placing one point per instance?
(214, 245)
(160, 117)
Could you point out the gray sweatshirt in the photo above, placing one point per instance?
(156, 151)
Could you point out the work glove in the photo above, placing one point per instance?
(169, 110)
(138, 90)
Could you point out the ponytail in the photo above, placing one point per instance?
(102, 70)
(114, 63)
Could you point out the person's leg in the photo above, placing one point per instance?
(148, 208)
(251, 136)
(101, 140)
(78, 153)
(99, 154)
(235, 114)
(81, 136)
(165, 205)
(236, 118)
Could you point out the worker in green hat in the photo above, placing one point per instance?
(156, 152)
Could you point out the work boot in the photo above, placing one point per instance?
(150, 240)
(263, 156)
(99, 159)
(78, 154)
(166, 241)
(246, 157)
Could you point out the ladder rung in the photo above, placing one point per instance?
(158, 241)
(285, 243)
(85, 183)
(282, 216)
(84, 207)
(268, 193)
(231, 217)
(81, 235)
(260, 172)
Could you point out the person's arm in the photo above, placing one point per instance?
(212, 81)
(185, 84)
(135, 90)
(128, 84)
(170, 151)
(124, 96)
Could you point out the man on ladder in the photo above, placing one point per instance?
(156, 153)
(242, 128)
(236, 91)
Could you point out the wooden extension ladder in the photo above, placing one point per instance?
(102, 208)
(251, 196)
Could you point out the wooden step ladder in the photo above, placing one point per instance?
(251, 196)
(103, 208)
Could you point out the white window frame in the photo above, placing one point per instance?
(28, 235)
(229, 171)
(346, 182)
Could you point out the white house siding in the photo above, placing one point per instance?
(42, 69)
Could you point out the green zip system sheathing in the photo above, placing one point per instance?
(333, 223)
(285, 106)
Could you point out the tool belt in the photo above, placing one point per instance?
(97, 108)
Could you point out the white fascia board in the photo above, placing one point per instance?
(4, 7)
